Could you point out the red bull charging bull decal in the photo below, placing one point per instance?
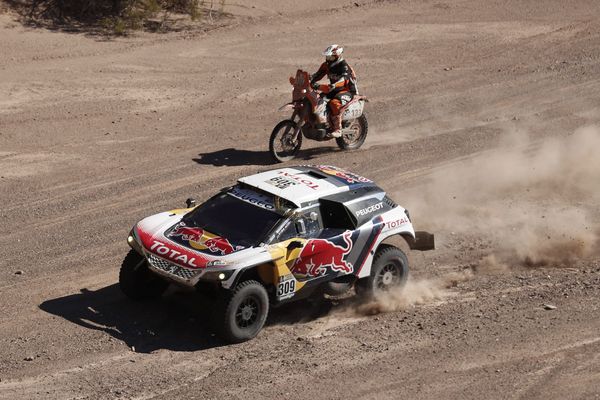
(187, 233)
(215, 244)
(318, 255)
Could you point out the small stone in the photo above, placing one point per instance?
(19, 272)
(133, 348)
(29, 358)
(447, 69)
(549, 307)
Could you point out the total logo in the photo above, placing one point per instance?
(396, 223)
(174, 255)
(370, 209)
(300, 179)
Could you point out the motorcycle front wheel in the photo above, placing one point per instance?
(357, 135)
(284, 144)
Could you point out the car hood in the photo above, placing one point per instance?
(166, 236)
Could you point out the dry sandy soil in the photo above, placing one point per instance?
(483, 120)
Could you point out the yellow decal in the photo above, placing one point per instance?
(283, 259)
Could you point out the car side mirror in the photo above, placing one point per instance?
(190, 202)
(300, 226)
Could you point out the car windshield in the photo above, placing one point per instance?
(239, 221)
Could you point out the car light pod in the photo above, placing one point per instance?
(217, 275)
(132, 241)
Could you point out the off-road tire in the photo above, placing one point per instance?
(244, 312)
(280, 156)
(343, 142)
(389, 271)
(137, 281)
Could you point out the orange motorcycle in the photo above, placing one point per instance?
(310, 118)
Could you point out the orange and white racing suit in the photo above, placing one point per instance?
(341, 88)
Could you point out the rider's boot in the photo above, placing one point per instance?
(336, 125)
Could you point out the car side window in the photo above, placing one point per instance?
(288, 232)
(335, 216)
(305, 225)
(312, 223)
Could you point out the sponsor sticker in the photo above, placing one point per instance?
(252, 197)
(281, 182)
(369, 210)
(396, 223)
(174, 255)
(318, 256)
(285, 180)
(286, 287)
(346, 176)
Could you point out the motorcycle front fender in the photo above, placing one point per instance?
(286, 107)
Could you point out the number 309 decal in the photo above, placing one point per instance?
(286, 289)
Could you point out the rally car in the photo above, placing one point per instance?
(273, 237)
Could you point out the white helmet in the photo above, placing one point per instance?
(333, 52)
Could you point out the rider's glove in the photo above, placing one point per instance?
(315, 85)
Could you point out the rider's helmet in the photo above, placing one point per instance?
(333, 53)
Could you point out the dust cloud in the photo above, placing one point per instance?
(415, 292)
(534, 202)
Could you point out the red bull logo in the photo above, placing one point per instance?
(187, 233)
(215, 244)
(219, 244)
(320, 254)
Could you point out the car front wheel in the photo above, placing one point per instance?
(136, 280)
(245, 312)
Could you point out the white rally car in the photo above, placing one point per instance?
(273, 237)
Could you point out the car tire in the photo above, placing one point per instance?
(389, 271)
(137, 281)
(244, 312)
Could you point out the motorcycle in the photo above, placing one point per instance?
(310, 118)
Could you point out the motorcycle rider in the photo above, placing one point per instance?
(342, 84)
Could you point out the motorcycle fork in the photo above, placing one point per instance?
(299, 123)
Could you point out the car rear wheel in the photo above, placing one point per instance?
(389, 271)
(136, 280)
(245, 312)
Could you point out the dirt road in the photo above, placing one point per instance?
(483, 123)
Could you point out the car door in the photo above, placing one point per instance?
(322, 251)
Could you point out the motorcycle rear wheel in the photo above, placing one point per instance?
(352, 141)
(282, 145)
